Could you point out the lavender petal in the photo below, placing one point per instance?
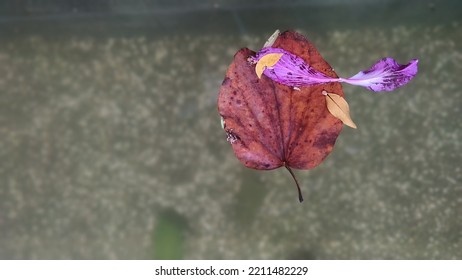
(292, 70)
(385, 75)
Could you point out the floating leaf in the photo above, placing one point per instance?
(338, 107)
(266, 61)
(291, 70)
(270, 125)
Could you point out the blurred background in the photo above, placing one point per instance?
(111, 145)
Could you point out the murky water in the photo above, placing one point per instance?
(111, 144)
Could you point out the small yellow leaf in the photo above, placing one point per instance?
(267, 61)
(339, 108)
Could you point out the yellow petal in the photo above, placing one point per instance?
(339, 108)
(267, 61)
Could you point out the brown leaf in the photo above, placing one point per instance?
(270, 125)
(338, 107)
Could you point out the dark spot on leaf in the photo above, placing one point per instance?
(226, 81)
(325, 139)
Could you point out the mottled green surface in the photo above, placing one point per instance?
(101, 136)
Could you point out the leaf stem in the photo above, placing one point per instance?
(300, 196)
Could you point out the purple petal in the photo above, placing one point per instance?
(292, 71)
(385, 75)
